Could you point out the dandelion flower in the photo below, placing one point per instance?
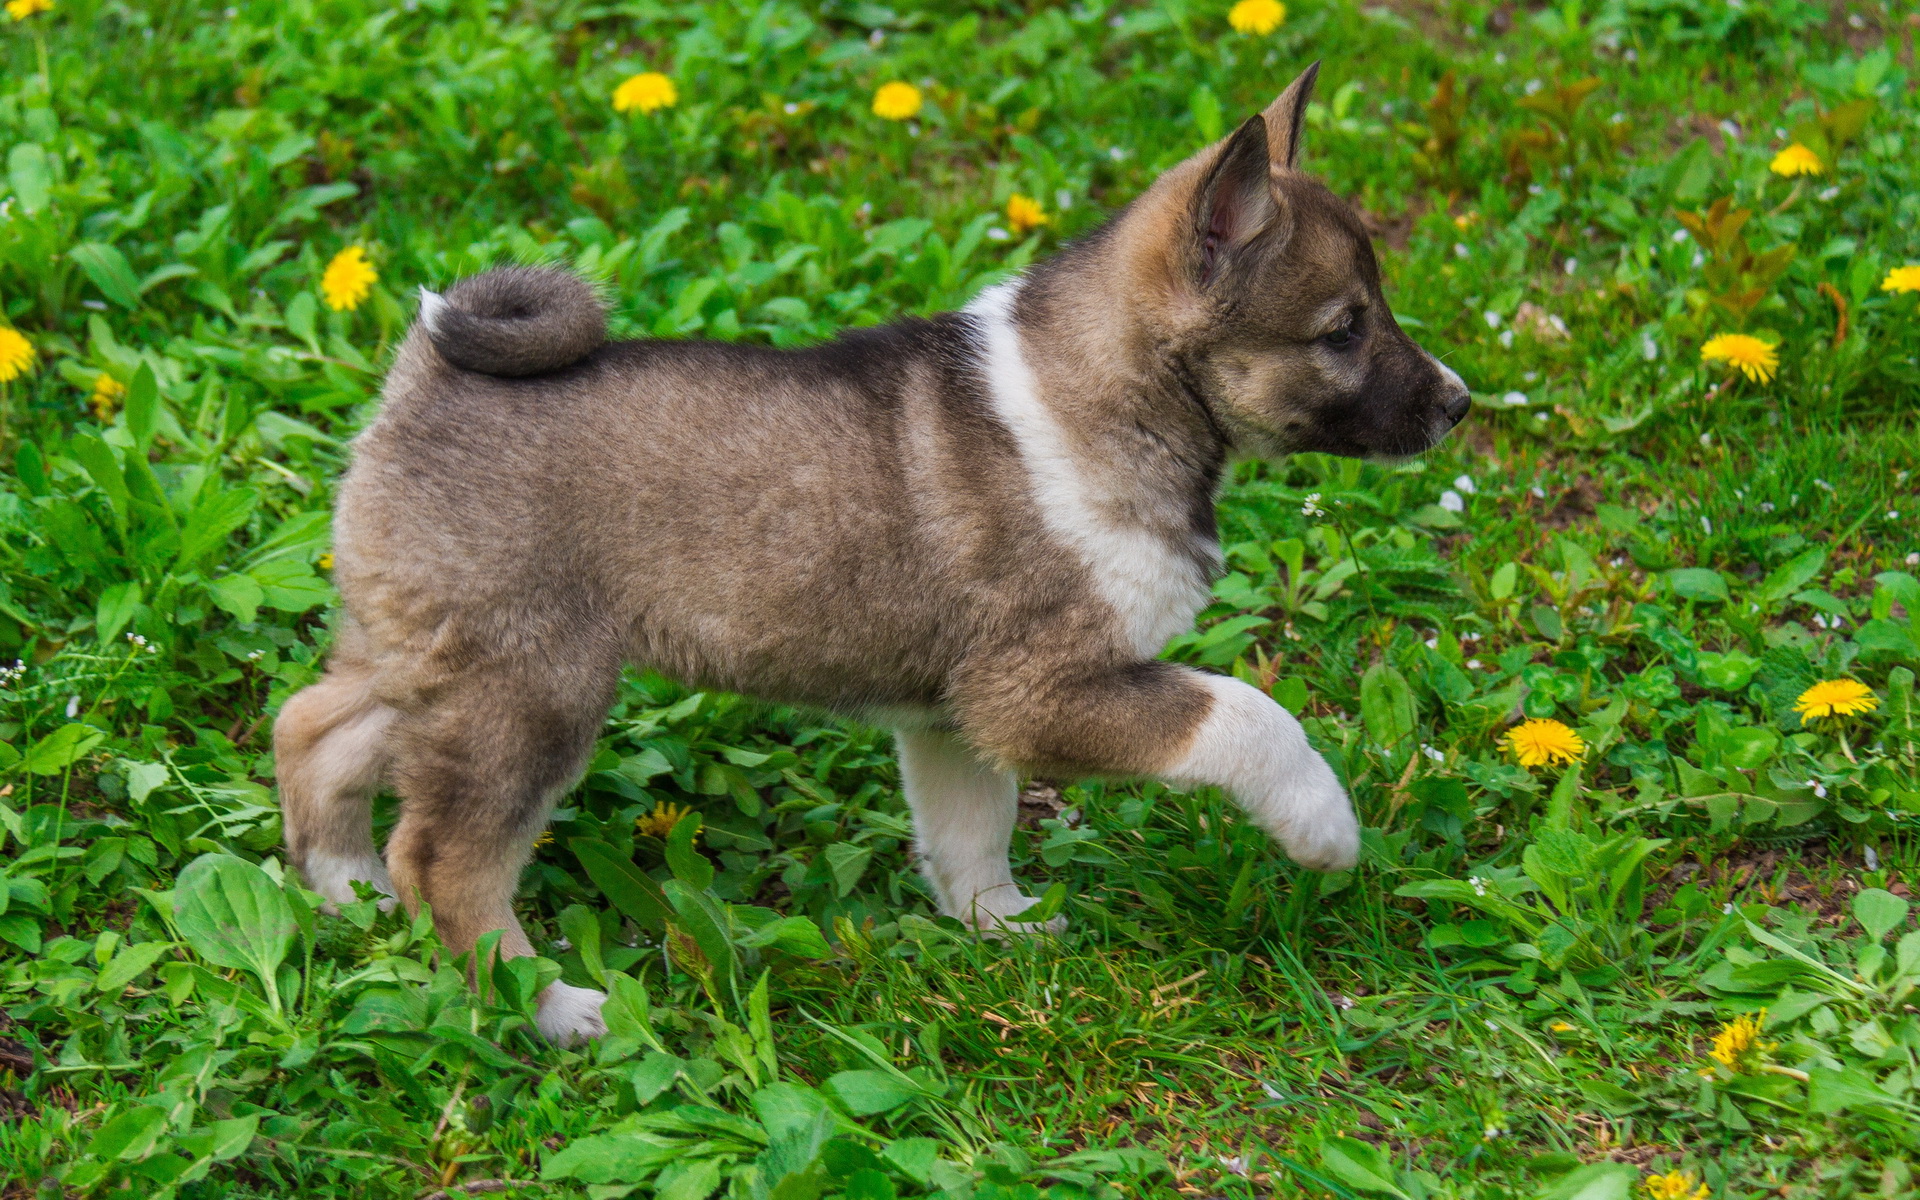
(1561, 1027)
(1745, 353)
(545, 839)
(107, 393)
(896, 101)
(1257, 17)
(1738, 1040)
(1797, 160)
(348, 280)
(1024, 213)
(660, 822)
(1674, 1185)
(1902, 279)
(20, 10)
(1835, 698)
(16, 354)
(1543, 741)
(324, 562)
(645, 92)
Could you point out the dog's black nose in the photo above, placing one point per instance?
(1456, 405)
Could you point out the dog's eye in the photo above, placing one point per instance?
(1340, 337)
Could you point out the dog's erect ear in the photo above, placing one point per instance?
(1238, 202)
(1286, 115)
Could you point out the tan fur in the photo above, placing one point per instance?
(965, 537)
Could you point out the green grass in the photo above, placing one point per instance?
(1513, 996)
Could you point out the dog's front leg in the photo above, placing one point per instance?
(1254, 750)
(963, 813)
(1177, 724)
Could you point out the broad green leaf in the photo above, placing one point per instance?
(289, 585)
(1880, 912)
(1790, 576)
(1386, 705)
(1046, 908)
(117, 607)
(142, 406)
(688, 865)
(1699, 584)
(626, 887)
(582, 927)
(62, 748)
(131, 1135)
(31, 177)
(848, 862)
(218, 513)
(610, 1158)
(864, 1093)
(127, 965)
(1595, 1181)
(234, 915)
(108, 268)
(1359, 1164)
(1208, 116)
(238, 594)
(1831, 1091)
(1727, 672)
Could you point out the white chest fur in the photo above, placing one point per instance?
(1153, 585)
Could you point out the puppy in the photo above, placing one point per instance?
(978, 529)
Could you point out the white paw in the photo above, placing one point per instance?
(991, 913)
(570, 1014)
(1314, 820)
(332, 875)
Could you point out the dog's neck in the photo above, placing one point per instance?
(1092, 332)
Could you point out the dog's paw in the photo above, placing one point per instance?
(569, 1015)
(1316, 825)
(992, 914)
(333, 876)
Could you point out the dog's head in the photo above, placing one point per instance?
(1284, 326)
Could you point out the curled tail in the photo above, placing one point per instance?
(515, 321)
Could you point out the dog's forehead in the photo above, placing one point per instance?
(1329, 239)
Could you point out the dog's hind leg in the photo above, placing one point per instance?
(478, 770)
(963, 814)
(330, 753)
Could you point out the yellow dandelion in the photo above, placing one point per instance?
(1674, 1185)
(20, 10)
(545, 839)
(1739, 1040)
(1257, 17)
(107, 393)
(1466, 220)
(1542, 741)
(645, 92)
(1835, 698)
(348, 280)
(1797, 160)
(896, 101)
(324, 562)
(1745, 353)
(1902, 279)
(16, 354)
(1561, 1027)
(660, 822)
(1024, 213)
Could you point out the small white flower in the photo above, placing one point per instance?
(1453, 501)
(73, 707)
(997, 234)
(1829, 193)
(1729, 128)
(1540, 416)
(1766, 506)
(1534, 85)
(1433, 643)
(1872, 858)
(1117, 153)
(1310, 507)
(1479, 887)
(1493, 319)
(1819, 789)
(1619, 562)
(1893, 514)
(790, 107)
(1506, 339)
(254, 655)
(1473, 664)
(1469, 637)
(1679, 235)
(1706, 526)
(1649, 349)
(1235, 1164)
(1460, 250)
(1913, 560)
(1572, 265)
(1514, 399)
(1727, 907)
(876, 37)
(1432, 753)
(1062, 199)
(1464, 483)
(1706, 439)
